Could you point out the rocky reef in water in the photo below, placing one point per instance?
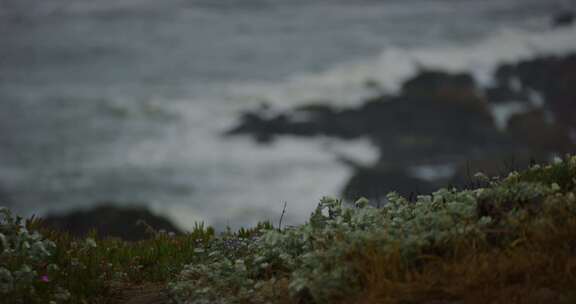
(111, 220)
(442, 119)
(564, 18)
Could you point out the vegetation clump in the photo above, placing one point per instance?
(508, 236)
(25, 266)
(510, 240)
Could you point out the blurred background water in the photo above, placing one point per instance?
(126, 100)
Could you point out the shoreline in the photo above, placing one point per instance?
(441, 117)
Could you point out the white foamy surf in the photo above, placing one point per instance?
(313, 174)
(346, 83)
(126, 100)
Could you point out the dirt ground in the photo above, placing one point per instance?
(143, 294)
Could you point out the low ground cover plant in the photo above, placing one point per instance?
(513, 240)
(38, 265)
(513, 233)
(26, 269)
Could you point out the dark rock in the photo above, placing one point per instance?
(316, 109)
(540, 132)
(553, 77)
(375, 182)
(421, 121)
(494, 165)
(499, 94)
(431, 83)
(111, 221)
(422, 128)
(565, 18)
(441, 118)
(443, 87)
(265, 129)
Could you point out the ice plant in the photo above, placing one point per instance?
(321, 260)
(23, 255)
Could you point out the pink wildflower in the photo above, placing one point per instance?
(44, 279)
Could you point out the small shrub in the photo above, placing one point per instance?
(26, 272)
(342, 251)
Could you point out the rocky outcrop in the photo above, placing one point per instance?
(440, 117)
(422, 120)
(110, 221)
(375, 182)
(538, 130)
(564, 18)
(551, 77)
(457, 90)
(494, 165)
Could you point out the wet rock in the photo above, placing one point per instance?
(502, 94)
(538, 130)
(438, 112)
(375, 182)
(438, 118)
(432, 83)
(316, 109)
(564, 18)
(265, 129)
(494, 165)
(426, 128)
(445, 88)
(110, 221)
(553, 77)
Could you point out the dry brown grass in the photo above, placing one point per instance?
(538, 267)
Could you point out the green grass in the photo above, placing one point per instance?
(511, 241)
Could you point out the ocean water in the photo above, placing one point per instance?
(125, 101)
